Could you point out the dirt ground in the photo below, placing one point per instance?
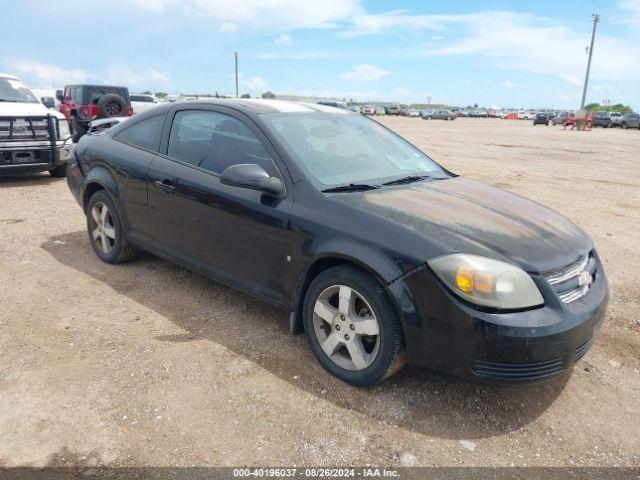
(149, 364)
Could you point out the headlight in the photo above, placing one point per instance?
(63, 127)
(487, 282)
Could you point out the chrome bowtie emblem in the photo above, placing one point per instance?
(584, 278)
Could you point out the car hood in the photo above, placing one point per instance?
(462, 215)
(17, 109)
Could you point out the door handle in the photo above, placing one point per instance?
(165, 185)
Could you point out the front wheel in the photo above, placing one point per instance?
(106, 234)
(352, 326)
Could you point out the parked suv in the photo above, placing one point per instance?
(141, 102)
(541, 119)
(393, 110)
(601, 119)
(81, 104)
(616, 119)
(631, 120)
(33, 138)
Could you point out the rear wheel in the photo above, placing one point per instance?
(106, 234)
(352, 326)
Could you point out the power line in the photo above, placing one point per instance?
(596, 19)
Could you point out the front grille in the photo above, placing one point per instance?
(28, 128)
(573, 281)
(517, 371)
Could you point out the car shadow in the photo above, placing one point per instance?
(29, 179)
(415, 399)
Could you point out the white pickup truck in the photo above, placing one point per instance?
(33, 138)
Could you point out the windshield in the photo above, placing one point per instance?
(338, 149)
(12, 90)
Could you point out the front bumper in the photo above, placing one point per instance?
(33, 156)
(445, 334)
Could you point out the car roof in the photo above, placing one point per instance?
(259, 106)
(84, 85)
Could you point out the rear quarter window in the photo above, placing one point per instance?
(145, 134)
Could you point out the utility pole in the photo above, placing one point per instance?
(596, 19)
(238, 94)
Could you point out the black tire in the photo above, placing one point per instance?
(390, 357)
(122, 250)
(79, 129)
(59, 171)
(112, 105)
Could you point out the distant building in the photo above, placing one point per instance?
(300, 98)
(429, 106)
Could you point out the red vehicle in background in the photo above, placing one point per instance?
(80, 104)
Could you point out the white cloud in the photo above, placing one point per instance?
(228, 27)
(137, 79)
(603, 88)
(369, 24)
(631, 9)
(35, 72)
(537, 45)
(266, 14)
(283, 40)
(156, 5)
(507, 84)
(365, 73)
(255, 84)
(308, 55)
(572, 79)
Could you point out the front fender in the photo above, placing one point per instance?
(377, 262)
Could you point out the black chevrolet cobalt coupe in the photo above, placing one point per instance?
(380, 255)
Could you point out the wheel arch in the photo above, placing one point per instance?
(315, 268)
(98, 178)
(384, 272)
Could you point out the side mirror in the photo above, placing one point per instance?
(59, 95)
(48, 102)
(250, 175)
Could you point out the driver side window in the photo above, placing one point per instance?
(215, 141)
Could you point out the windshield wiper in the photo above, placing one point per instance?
(407, 179)
(352, 187)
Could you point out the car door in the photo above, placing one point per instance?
(130, 156)
(234, 234)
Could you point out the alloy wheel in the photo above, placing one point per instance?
(113, 108)
(346, 327)
(102, 229)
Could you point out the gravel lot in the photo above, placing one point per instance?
(149, 364)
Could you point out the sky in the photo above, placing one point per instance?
(510, 53)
